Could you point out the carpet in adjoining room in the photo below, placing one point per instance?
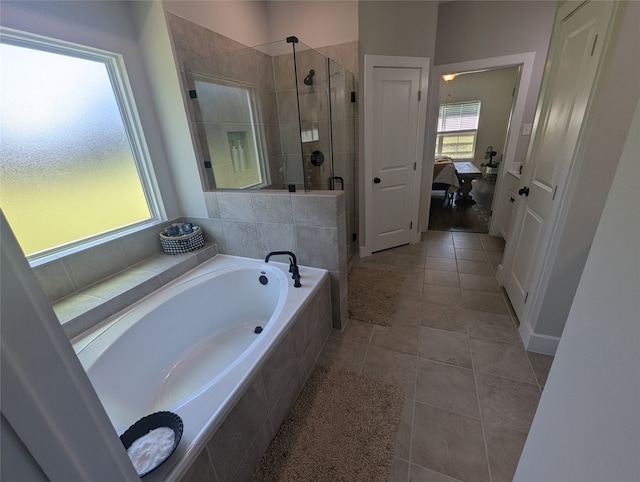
(342, 428)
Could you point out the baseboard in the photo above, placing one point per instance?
(545, 344)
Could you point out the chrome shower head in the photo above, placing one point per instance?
(308, 80)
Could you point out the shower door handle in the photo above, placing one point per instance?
(376, 180)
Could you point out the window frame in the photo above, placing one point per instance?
(441, 134)
(123, 94)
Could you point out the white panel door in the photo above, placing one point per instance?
(394, 154)
(566, 92)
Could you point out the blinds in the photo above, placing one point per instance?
(461, 116)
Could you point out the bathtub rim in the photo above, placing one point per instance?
(185, 455)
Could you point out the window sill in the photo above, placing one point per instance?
(83, 310)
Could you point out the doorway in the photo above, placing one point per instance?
(473, 123)
(500, 207)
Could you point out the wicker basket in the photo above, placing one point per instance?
(182, 244)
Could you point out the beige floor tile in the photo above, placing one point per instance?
(412, 289)
(479, 282)
(399, 470)
(469, 242)
(438, 235)
(484, 301)
(449, 443)
(357, 331)
(504, 447)
(471, 255)
(441, 264)
(407, 260)
(474, 267)
(400, 338)
(445, 347)
(492, 243)
(420, 474)
(441, 278)
(442, 295)
(491, 326)
(440, 251)
(417, 249)
(392, 367)
(342, 354)
(408, 312)
(509, 403)
(503, 359)
(403, 437)
(495, 257)
(461, 235)
(541, 365)
(447, 387)
(449, 318)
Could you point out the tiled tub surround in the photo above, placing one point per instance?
(229, 417)
(312, 225)
(235, 449)
(86, 287)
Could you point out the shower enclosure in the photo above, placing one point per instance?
(276, 116)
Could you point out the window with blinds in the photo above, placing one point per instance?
(457, 130)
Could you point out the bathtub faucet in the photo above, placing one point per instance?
(293, 265)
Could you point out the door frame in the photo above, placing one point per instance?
(387, 61)
(526, 60)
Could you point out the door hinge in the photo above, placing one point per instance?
(595, 41)
(555, 190)
(353, 96)
(419, 95)
(411, 225)
(193, 94)
(415, 165)
(491, 213)
(527, 296)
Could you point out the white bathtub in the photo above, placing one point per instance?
(191, 346)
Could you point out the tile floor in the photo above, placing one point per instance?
(471, 389)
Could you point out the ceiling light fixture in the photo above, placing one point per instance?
(449, 77)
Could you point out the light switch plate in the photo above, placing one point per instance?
(526, 129)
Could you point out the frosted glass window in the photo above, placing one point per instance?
(67, 169)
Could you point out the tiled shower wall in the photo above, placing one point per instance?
(312, 225)
(278, 105)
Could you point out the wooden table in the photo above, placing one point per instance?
(467, 172)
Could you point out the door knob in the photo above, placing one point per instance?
(376, 180)
(524, 190)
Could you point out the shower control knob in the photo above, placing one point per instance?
(376, 180)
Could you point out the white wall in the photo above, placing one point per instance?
(153, 38)
(252, 23)
(587, 427)
(472, 30)
(107, 26)
(244, 21)
(316, 24)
